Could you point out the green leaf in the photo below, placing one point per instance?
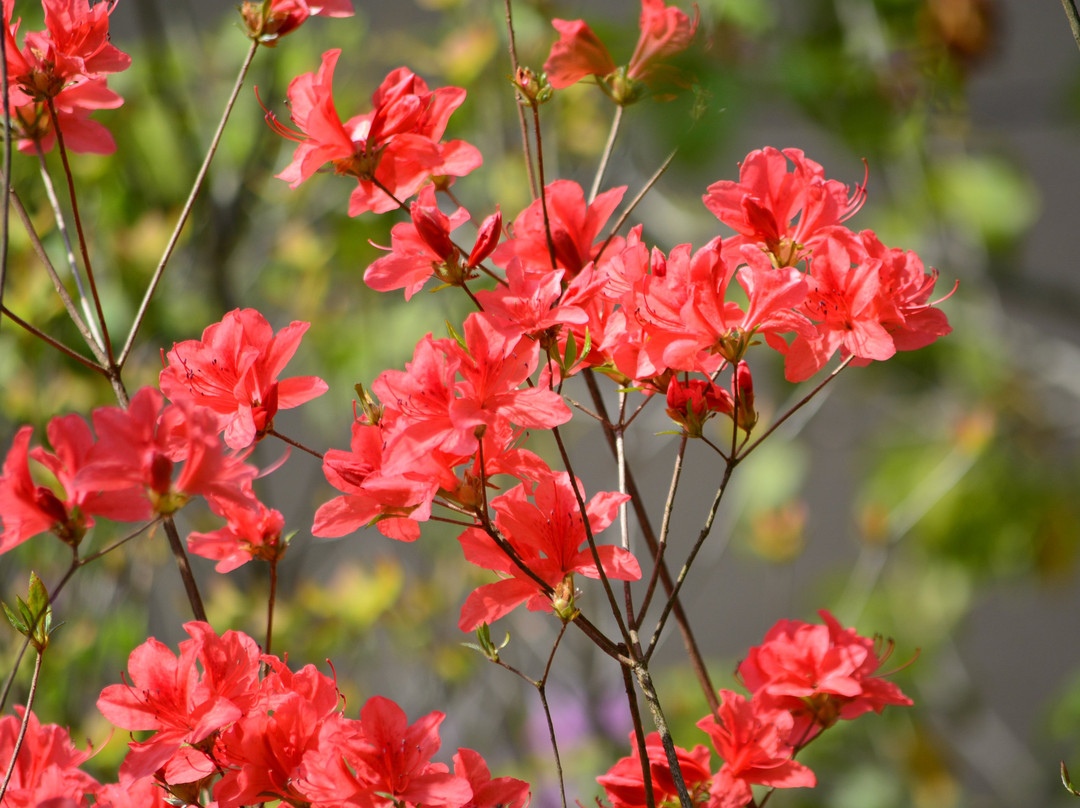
(16, 623)
(1067, 782)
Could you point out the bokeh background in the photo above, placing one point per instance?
(934, 499)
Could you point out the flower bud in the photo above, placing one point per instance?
(487, 239)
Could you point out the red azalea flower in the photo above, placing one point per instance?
(263, 751)
(46, 773)
(575, 228)
(253, 532)
(73, 104)
(419, 249)
(578, 53)
(380, 761)
(368, 492)
(74, 47)
(267, 22)
(665, 31)
(820, 673)
(182, 705)
(392, 151)
(233, 371)
(787, 211)
(843, 300)
(625, 786)
(503, 792)
(752, 738)
(27, 509)
(145, 444)
(548, 534)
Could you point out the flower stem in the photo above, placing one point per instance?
(5, 170)
(188, 205)
(61, 290)
(641, 671)
(177, 547)
(61, 225)
(295, 443)
(697, 662)
(270, 605)
(606, 156)
(1074, 18)
(106, 342)
(22, 728)
(514, 64)
(64, 349)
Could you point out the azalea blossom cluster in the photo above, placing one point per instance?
(59, 76)
(802, 679)
(150, 459)
(222, 736)
(560, 293)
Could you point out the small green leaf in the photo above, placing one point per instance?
(1067, 781)
(39, 596)
(571, 354)
(16, 623)
(456, 336)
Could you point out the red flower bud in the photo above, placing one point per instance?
(487, 239)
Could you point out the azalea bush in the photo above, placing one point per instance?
(575, 317)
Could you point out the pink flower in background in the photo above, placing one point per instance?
(233, 372)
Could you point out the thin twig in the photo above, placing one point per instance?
(649, 691)
(639, 738)
(69, 250)
(637, 500)
(188, 205)
(802, 402)
(5, 170)
(22, 728)
(270, 605)
(665, 526)
(1074, 19)
(61, 290)
(84, 248)
(515, 66)
(541, 688)
(543, 187)
(64, 349)
(635, 201)
(295, 443)
(704, 534)
(192, 589)
(606, 155)
(624, 631)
